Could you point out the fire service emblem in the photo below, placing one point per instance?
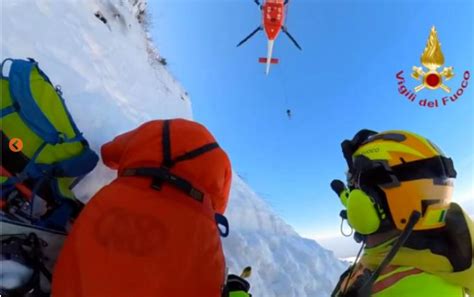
(431, 77)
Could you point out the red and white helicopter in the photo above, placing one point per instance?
(273, 14)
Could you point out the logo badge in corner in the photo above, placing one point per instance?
(432, 58)
(431, 77)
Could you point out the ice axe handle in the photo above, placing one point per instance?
(246, 272)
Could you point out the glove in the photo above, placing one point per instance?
(236, 287)
(239, 294)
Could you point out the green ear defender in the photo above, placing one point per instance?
(362, 213)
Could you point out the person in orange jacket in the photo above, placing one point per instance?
(154, 230)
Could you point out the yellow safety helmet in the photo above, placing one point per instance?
(391, 174)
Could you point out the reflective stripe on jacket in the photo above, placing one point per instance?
(409, 281)
(399, 281)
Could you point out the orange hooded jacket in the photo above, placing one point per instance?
(142, 236)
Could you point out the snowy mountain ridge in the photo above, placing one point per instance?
(111, 85)
(254, 214)
(284, 263)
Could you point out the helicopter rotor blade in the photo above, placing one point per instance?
(249, 36)
(291, 38)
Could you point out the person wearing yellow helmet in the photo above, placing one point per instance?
(415, 241)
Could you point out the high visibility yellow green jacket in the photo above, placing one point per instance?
(421, 272)
(409, 281)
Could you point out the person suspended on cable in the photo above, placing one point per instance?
(415, 241)
(288, 113)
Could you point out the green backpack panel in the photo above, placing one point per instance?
(54, 153)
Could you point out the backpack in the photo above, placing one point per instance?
(154, 230)
(54, 154)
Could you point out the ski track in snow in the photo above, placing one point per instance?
(110, 87)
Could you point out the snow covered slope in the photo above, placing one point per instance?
(284, 264)
(111, 84)
(103, 68)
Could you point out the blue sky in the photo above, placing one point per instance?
(342, 81)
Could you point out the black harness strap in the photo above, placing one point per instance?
(197, 152)
(366, 289)
(166, 141)
(163, 174)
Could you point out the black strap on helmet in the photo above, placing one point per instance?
(349, 147)
(372, 173)
(435, 167)
(368, 172)
(163, 173)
